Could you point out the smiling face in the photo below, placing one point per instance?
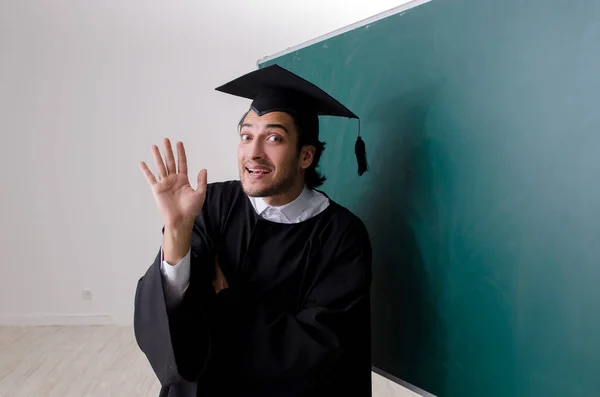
(270, 164)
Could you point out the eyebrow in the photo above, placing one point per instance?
(281, 126)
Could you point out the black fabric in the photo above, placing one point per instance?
(274, 88)
(295, 320)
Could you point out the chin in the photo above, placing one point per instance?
(254, 189)
(251, 192)
(263, 189)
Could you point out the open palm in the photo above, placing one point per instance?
(177, 201)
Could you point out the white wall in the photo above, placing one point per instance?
(85, 89)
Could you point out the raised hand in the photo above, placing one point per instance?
(177, 201)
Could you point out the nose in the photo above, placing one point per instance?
(256, 150)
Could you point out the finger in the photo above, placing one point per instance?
(202, 181)
(181, 158)
(160, 165)
(171, 168)
(218, 271)
(148, 174)
(221, 281)
(220, 276)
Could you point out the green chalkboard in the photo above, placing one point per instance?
(482, 125)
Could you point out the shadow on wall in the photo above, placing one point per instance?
(407, 334)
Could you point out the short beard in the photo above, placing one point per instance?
(275, 189)
(278, 187)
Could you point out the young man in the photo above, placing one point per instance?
(261, 286)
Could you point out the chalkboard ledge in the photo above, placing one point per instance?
(402, 383)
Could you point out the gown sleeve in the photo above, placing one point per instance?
(304, 346)
(176, 340)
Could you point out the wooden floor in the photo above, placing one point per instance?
(73, 362)
(88, 361)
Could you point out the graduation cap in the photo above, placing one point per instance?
(275, 89)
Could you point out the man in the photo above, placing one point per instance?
(261, 286)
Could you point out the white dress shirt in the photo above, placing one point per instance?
(308, 204)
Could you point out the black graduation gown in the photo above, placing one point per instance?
(295, 320)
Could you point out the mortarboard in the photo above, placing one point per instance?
(274, 88)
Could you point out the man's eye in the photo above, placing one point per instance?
(275, 138)
(244, 137)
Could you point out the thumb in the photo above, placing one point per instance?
(202, 181)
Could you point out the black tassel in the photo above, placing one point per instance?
(361, 153)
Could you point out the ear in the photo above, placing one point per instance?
(307, 155)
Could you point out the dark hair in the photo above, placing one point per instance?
(308, 134)
(307, 127)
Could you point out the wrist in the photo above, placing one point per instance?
(180, 224)
(176, 243)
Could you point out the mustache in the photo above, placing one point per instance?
(257, 163)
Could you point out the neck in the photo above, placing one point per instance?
(287, 197)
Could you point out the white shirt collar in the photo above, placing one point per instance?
(309, 203)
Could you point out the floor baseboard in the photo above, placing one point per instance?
(55, 319)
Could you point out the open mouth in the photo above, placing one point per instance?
(258, 171)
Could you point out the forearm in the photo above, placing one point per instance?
(329, 332)
(176, 279)
(176, 242)
(270, 345)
